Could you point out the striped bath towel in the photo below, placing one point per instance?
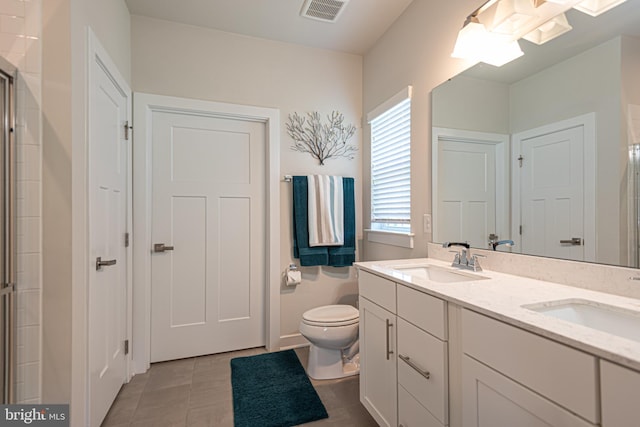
(326, 210)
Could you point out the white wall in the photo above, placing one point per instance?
(64, 201)
(20, 43)
(416, 50)
(191, 62)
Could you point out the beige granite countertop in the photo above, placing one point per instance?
(503, 296)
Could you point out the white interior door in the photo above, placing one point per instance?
(208, 209)
(466, 201)
(552, 194)
(109, 107)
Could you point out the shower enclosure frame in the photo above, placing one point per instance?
(8, 258)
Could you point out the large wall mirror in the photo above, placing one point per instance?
(544, 150)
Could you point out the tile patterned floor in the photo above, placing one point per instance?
(197, 392)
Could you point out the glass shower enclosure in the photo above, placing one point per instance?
(8, 75)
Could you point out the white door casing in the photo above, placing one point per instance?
(470, 189)
(554, 189)
(109, 111)
(208, 204)
(146, 105)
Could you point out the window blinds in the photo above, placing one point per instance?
(391, 167)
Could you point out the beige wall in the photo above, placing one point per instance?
(64, 84)
(416, 51)
(192, 62)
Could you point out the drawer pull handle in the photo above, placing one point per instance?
(408, 361)
(389, 351)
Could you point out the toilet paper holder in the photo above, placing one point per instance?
(293, 276)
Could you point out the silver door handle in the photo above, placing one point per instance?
(575, 241)
(100, 263)
(389, 351)
(408, 361)
(161, 247)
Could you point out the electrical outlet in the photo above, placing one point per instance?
(426, 223)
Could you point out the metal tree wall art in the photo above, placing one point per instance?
(322, 141)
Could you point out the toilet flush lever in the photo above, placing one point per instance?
(161, 247)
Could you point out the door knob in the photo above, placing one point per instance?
(161, 247)
(100, 263)
(575, 241)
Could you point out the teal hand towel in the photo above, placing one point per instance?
(343, 256)
(308, 256)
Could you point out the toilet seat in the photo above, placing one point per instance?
(331, 316)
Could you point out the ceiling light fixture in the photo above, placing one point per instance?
(491, 33)
(597, 7)
(508, 16)
(549, 30)
(479, 45)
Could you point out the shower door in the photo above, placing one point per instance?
(7, 234)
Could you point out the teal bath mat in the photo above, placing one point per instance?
(273, 390)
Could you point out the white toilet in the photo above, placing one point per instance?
(332, 331)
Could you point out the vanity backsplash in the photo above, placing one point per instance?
(614, 280)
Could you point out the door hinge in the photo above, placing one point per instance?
(126, 347)
(126, 130)
(126, 240)
(521, 230)
(520, 159)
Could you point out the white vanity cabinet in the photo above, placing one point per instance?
(511, 377)
(403, 354)
(619, 388)
(378, 378)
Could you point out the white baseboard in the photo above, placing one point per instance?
(293, 341)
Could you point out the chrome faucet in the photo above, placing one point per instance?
(508, 243)
(464, 259)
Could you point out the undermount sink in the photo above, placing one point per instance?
(606, 318)
(436, 274)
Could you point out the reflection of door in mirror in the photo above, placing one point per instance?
(470, 188)
(551, 192)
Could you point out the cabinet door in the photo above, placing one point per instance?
(378, 381)
(493, 400)
(619, 388)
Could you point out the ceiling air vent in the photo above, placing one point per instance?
(323, 10)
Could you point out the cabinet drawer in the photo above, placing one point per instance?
(378, 290)
(619, 388)
(560, 373)
(413, 414)
(420, 352)
(423, 310)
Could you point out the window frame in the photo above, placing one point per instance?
(388, 232)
